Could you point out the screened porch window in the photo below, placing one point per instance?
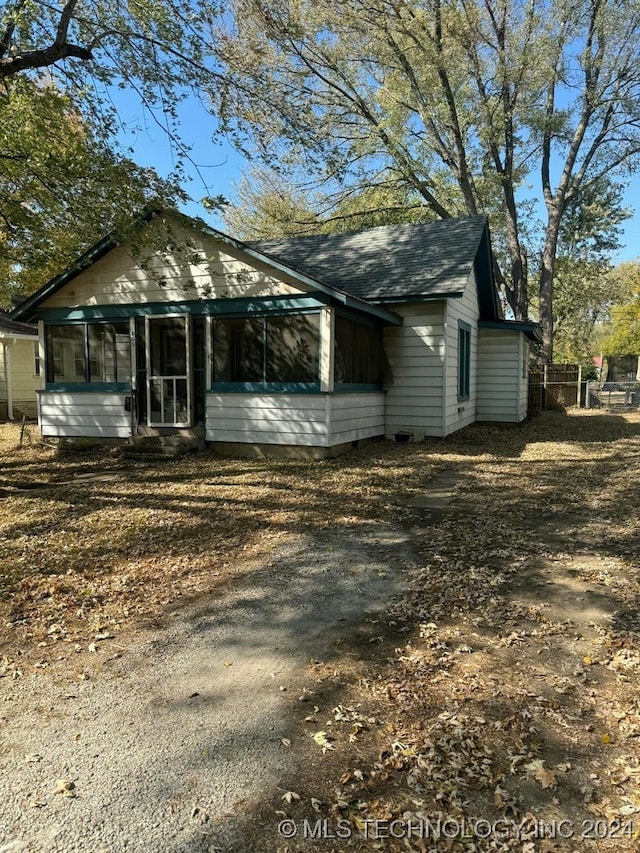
(65, 353)
(359, 354)
(88, 352)
(293, 348)
(238, 350)
(109, 352)
(284, 349)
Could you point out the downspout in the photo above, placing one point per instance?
(5, 374)
(445, 357)
(7, 367)
(133, 378)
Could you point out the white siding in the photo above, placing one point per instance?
(288, 419)
(461, 413)
(17, 360)
(502, 390)
(312, 420)
(355, 416)
(3, 374)
(414, 383)
(123, 277)
(523, 396)
(93, 415)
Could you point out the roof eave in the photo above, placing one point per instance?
(13, 336)
(25, 310)
(368, 307)
(93, 254)
(531, 330)
(101, 248)
(417, 297)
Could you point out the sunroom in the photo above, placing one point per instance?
(265, 372)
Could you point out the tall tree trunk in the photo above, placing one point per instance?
(545, 283)
(518, 298)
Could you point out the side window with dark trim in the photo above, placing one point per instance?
(464, 360)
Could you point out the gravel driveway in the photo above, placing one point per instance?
(169, 745)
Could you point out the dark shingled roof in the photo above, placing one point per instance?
(12, 327)
(391, 262)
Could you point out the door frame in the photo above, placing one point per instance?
(151, 376)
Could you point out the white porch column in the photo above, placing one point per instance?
(327, 333)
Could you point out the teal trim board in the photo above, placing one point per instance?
(196, 307)
(89, 387)
(266, 387)
(357, 388)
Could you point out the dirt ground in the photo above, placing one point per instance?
(492, 704)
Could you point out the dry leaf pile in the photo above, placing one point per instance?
(502, 687)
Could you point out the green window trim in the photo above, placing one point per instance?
(266, 387)
(358, 388)
(268, 351)
(464, 361)
(96, 353)
(222, 307)
(89, 387)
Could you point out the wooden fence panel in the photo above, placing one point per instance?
(555, 386)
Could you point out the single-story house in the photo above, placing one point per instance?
(19, 369)
(314, 341)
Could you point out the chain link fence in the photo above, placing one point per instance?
(560, 386)
(618, 386)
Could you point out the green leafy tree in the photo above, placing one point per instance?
(64, 180)
(504, 107)
(585, 287)
(622, 337)
(266, 205)
(61, 187)
(155, 47)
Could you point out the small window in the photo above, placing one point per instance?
(464, 361)
(36, 359)
(343, 349)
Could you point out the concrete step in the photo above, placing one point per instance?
(149, 445)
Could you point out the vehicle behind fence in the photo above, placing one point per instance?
(559, 386)
(613, 395)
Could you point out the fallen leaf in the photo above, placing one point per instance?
(541, 774)
(290, 796)
(546, 778)
(65, 787)
(500, 797)
(322, 740)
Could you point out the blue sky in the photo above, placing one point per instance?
(219, 165)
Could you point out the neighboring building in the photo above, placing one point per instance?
(19, 369)
(315, 341)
